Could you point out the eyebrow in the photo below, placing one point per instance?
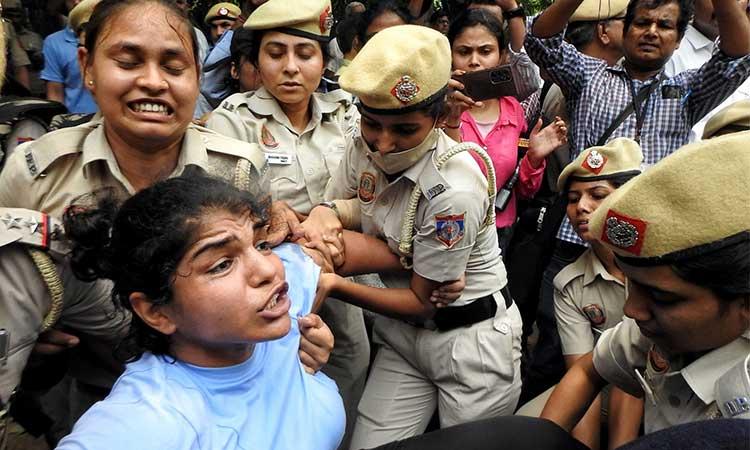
(131, 47)
(213, 245)
(283, 44)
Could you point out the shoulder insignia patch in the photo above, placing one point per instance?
(267, 138)
(595, 314)
(366, 191)
(449, 229)
(228, 106)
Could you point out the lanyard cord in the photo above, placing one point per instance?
(641, 103)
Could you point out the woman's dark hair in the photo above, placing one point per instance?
(140, 244)
(724, 271)
(616, 180)
(687, 8)
(258, 38)
(380, 8)
(241, 45)
(478, 16)
(107, 10)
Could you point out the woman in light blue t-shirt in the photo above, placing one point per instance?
(213, 350)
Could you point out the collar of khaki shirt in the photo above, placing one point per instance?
(701, 374)
(421, 173)
(594, 268)
(263, 103)
(97, 148)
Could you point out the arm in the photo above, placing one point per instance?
(55, 91)
(22, 76)
(554, 19)
(587, 429)
(367, 254)
(407, 303)
(573, 395)
(415, 8)
(734, 27)
(516, 25)
(625, 415)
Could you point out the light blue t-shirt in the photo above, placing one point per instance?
(266, 402)
(61, 66)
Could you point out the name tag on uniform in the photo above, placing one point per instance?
(278, 159)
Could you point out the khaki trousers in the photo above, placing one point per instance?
(468, 373)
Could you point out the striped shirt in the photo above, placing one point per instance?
(596, 94)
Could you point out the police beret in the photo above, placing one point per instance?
(81, 14)
(399, 69)
(307, 18)
(691, 202)
(621, 156)
(595, 10)
(224, 10)
(735, 117)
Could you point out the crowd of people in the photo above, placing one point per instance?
(418, 225)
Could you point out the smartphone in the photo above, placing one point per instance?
(489, 83)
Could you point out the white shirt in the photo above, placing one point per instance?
(695, 49)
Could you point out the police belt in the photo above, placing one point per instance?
(449, 318)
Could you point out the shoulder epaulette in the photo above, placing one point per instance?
(41, 153)
(234, 101)
(219, 143)
(33, 228)
(567, 274)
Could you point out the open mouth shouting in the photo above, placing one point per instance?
(151, 107)
(278, 303)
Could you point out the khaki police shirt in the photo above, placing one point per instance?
(299, 164)
(675, 392)
(25, 299)
(588, 300)
(450, 237)
(48, 173)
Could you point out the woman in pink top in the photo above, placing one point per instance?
(477, 43)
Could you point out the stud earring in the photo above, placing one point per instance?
(91, 82)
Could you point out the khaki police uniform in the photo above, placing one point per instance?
(588, 300)
(38, 295)
(469, 372)
(300, 165)
(675, 392)
(687, 205)
(47, 174)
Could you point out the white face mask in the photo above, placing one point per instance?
(396, 162)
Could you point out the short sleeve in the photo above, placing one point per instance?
(53, 67)
(619, 352)
(89, 308)
(576, 336)
(445, 240)
(343, 182)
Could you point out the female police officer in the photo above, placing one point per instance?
(464, 359)
(303, 135)
(145, 80)
(681, 235)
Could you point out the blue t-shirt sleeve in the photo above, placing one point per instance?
(53, 65)
(129, 426)
(302, 275)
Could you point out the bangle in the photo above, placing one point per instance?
(456, 127)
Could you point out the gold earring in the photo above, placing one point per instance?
(91, 82)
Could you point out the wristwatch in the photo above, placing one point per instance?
(515, 12)
(331, 205)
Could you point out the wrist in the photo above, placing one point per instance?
(514, 13)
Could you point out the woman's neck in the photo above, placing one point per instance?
(212, 357)
(489, 112)
(607, 257)
(298, 114)
(143, 168)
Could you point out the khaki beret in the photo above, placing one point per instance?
(621, 156)
(735, 117)
(306, 18)
(224, 10)
(691, 202)
(80, 14)
(595, 10)
(399, 69)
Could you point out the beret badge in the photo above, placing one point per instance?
(223, 12)
(594, 162)
(405, 90)
(624, 232)
(326, 20)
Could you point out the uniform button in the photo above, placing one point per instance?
(310, 171)
(504, 328)
(674, 401)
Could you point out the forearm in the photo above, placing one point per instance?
(573, 395)
(734, 28)
(396, 303)
(587, 429)
(554, 19)
(55, 92)
(367, 254)
(517, 28)
(22, 76)
(349, 213)
(625, 415)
